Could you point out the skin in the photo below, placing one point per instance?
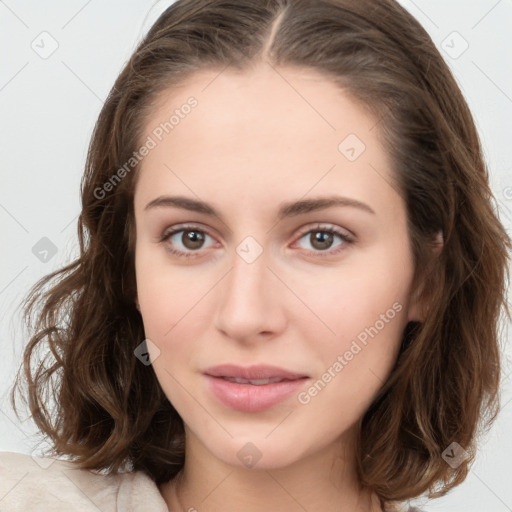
(255, 140)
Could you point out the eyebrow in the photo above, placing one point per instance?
(287, 209)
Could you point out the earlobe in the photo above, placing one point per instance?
(417, 308)
(416, 311)
(438, 243)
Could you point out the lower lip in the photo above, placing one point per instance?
(252, 398)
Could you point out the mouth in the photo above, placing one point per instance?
(255, 382)
(253, 389)
(253, 374)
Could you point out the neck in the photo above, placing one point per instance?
(322, 482)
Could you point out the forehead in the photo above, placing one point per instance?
(262, 132)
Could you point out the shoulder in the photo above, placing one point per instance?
(31, 483)
(397, 506)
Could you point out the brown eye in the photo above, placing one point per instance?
(186, 241)
(325, 241)
(192, 239)
(321, 240)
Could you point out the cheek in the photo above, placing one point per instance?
(364, 307)
(169, 308)
(371, 292)
(174, 309)
(166, 294)
(354, 364)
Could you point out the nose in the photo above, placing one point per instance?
(251, 302)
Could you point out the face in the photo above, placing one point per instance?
(269, 239)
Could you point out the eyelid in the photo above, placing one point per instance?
(320, 226)
(171, 231)
(348, 239)
(344, 234)
(184, 227)
(303, 231)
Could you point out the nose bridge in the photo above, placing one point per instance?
(249, 298)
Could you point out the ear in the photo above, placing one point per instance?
(137, 305)
(417, 307)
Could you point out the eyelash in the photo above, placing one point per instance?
(331, 230)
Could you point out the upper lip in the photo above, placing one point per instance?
(252, 372)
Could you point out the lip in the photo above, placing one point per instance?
(252, 372)
(248, 397)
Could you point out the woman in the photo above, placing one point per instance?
(290, 275)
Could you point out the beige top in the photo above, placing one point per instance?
(34, 484)
(49, 485)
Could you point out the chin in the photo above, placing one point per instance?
(257, 453)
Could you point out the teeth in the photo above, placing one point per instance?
(255, 382)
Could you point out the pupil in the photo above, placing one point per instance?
(321, 240)
(192, 239)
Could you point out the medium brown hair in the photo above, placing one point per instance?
(111, 412)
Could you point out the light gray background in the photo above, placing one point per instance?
(48, 107)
